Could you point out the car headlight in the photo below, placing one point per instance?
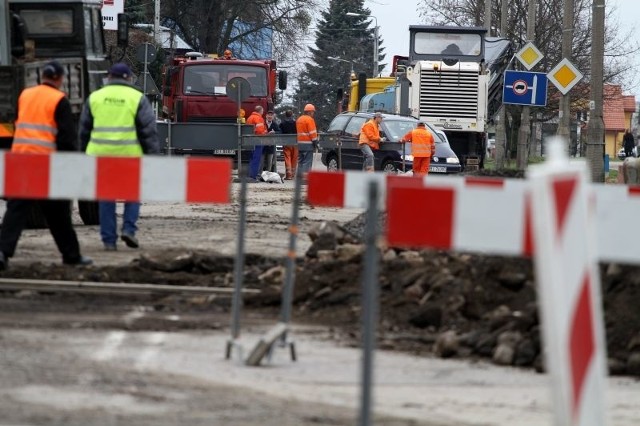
(407, 157)
(453, 160)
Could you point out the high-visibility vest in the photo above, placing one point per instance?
(114, 109)
(370, 134)
(36, 127)
(259, 128)
(306, 129)
(422, 142)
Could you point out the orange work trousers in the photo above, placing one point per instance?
(421, 166)
(290, 153)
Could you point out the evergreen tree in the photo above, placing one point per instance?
(349, 38)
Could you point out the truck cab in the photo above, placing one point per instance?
(67, 31)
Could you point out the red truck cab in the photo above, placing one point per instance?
(195, 88)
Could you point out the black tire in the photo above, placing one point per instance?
(89, 212)
(332, 163)
(388, 166)
(35, 218)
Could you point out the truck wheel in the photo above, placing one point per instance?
(89, 212)
(332, 163)
(35, 218)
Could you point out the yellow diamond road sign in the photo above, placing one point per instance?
(529, 55)
(564, 76)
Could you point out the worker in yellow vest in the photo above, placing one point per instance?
(118, 121)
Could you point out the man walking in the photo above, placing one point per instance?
(307, 135)
(44, 125)
(370, 139)
(290, 152)
(117, 120)
(423, 147)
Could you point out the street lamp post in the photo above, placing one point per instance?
(351, 74)
(375, 40)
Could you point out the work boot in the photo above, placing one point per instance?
(81, 261)
(129, 240)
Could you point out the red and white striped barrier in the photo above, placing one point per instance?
(69, 175)
(569, 286)
(475, 213)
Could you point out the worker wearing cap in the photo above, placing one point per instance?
(118, 121)
(307, 135)
(423, 147)
(370, 140)
(44, 125)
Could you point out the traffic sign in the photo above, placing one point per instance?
(564, 76)
(525, 88)
(529, 55)
(238, 89)
(146, 53)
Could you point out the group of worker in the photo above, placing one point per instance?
(116, 120)
(297, 162)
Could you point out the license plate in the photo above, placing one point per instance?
(224, 152)
(435, 169)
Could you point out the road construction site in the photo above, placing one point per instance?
(458, 339)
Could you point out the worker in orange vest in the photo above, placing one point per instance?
(370, 139)
(307, 135)
(259, 128)
(44, 125)
(423, 147)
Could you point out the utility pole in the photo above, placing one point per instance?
(595, 143)
(157, 34)
(524, 134)
(501, 126)
(567, 49)
(487, 16)
(5, 34)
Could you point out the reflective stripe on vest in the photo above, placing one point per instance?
(114, 109)
(421, 143)
(36, 127)
(306, 129)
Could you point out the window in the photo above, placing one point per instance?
(338, 123)
(354, 126)
(43, 22)
(92, 24)
(447, 44)
(213, 78)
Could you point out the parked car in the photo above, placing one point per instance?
(622, 155)
(393, 127)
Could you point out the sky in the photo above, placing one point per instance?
(395, 16)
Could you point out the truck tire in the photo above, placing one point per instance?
(89, 212)
(332, 163)
(388, 166)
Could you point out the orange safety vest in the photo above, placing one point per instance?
(370, 134)
(257, 120)
(422, 142)
(36, 127)
(306, 129)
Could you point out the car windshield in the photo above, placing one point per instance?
(396, 129)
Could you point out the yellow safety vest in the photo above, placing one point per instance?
(114, 109)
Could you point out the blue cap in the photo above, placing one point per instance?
(120, 70)
(53, 69)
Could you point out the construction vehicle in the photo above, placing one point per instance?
(447, 82)
(39, 31)
(194, 91)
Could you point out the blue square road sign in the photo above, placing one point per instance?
(525, 88)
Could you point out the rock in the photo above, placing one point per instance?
(349, 252)
(526, 353)
(325, 255)
(322, 242)
(633, 364)
(326, 228)
(486, 343)
(503, 355)
(414, 292)
(389, 255)
(430, 314)
(447, 344)
(273, 275)
(412, 257)
(167, 262)
(512, 280)
(634, 343)
(613, 270)
(616, 367)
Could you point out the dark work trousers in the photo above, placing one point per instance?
(58, 215)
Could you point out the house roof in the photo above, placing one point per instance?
(614, 107)
(166, 37)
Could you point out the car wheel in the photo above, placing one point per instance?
(332, 163)
(388, 166)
